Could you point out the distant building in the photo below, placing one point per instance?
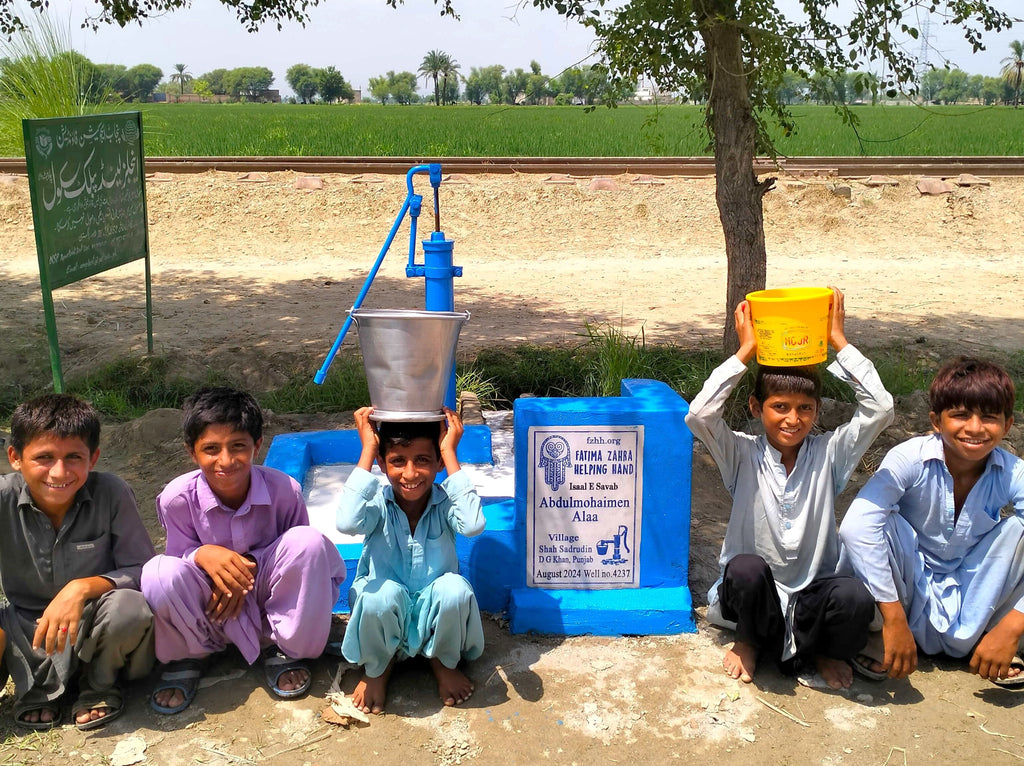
(644, 96)
(268, 96)
(191, 98)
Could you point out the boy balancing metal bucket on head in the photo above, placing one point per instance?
(409, 357)
(792, 325)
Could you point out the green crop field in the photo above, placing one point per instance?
(466, 131)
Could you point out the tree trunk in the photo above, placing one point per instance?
(738, 192)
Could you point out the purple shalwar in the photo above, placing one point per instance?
(299, 571)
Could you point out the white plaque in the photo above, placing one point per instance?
(583, 506)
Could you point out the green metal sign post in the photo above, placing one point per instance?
(88, 189)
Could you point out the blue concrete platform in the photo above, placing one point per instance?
(661, 602)
(495, 562)
(649, 611)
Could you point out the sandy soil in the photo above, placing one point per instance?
(253, 279)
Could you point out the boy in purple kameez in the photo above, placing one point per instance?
(242, 564)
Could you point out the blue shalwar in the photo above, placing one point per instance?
(408, 597)
(956, 578)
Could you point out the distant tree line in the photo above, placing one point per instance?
(935, 86)
(583, 85)
(100, 82)
(247, 83)
(586, 85)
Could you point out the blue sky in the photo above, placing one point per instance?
(365, 38)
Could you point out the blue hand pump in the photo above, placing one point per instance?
(437, 267)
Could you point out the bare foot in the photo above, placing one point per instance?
(92, 715)
(837, 673)
(292, 680)
(870, 664)
(169, 697)
(39, 715)
(740, 661)
(370, 693)
(452, 684)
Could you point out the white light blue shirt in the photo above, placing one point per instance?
(788, 520)
(913, 481)
(390, 550)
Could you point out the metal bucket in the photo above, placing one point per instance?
(409, 357)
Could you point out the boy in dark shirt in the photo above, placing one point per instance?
(72, 547)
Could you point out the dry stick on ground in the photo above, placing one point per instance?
(892, 750)
(780, 711)
(994, 733)
(229, 756)
(306, 743)
(1000, 750)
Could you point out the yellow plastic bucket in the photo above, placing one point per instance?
(791, 324)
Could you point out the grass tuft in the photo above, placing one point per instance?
(472, 379)
(611, 356)
(344, 389)
(129, 387)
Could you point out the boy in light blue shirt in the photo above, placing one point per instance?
(408, 598)
(928, 536)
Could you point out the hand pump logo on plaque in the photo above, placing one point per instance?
(584, 507)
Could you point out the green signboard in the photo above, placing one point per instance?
(88, 189)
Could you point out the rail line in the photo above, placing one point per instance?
(842, 167)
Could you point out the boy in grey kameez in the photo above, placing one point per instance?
(72, 547)
(778, 587)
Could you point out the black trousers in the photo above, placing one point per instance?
(830, 616)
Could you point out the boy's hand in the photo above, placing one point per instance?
(223, 607)
(837, 320)
(745, 333)
(451, 434)
(59, 624)
(995, 651)
(900, 647)
(367, 437)
(232, 574)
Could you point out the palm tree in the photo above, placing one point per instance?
(433, 65)
(1012, 67)
(182, 76)
(451, 69)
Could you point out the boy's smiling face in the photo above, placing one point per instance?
(55, 468)
(411, 470)
(969, 436)
(787, 418)
(225, 456)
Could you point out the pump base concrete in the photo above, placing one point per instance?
(637, 611)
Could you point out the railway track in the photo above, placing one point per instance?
(842, 167)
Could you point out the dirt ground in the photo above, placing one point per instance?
(252, 278)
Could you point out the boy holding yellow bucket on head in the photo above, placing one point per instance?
(778, 588)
